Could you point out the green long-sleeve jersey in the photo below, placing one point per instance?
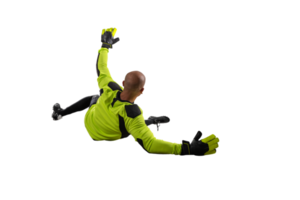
(112, 118)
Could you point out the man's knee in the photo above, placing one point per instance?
(94, 100)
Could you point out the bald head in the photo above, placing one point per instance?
(134, 82)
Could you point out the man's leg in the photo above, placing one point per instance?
(78, 106)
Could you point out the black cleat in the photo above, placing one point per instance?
(158, 120)
(56, 107)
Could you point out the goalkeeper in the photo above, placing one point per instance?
(113, 115)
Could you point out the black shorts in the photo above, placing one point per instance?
(94, 100)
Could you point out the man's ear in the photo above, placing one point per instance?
(123, 83)
(142, 90)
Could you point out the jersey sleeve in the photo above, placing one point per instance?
(143, 135)
(104, 77)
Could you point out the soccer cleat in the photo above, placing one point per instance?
(158, 120)
(56, 109)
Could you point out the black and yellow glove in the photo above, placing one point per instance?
(205, 146)
(107, 37)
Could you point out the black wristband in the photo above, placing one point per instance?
(106, 45)
(185, 148)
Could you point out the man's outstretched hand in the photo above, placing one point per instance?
(108, 37)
